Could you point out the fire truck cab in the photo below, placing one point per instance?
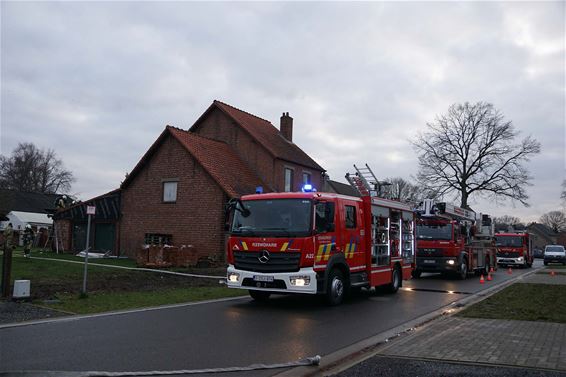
(514, 249)
(318, 243)
(453, 240)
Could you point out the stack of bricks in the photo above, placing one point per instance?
(166, 256)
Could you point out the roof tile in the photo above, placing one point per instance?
(220, 161)
(267, 135)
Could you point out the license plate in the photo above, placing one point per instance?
(268, 279)
(429, 261)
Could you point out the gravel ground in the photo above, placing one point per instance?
(386, 366)
(11, 312)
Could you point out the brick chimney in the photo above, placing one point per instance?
(286, 127)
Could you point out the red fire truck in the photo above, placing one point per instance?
(514, 249)
(318, 243)
(453, 240)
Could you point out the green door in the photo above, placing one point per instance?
(104, 237)
(79, 237)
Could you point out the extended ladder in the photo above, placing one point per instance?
(54, 236)
(364, 181)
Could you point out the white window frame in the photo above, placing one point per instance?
(170, 195)
(288, 186)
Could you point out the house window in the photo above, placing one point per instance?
(169, 192)
(158, 239)
(288, 180)
(350, 216)
(306, 178)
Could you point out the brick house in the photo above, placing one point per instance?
(177, 192)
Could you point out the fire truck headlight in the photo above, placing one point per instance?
(233, 277)
(451, 262)
(300, 281)
(520, 259)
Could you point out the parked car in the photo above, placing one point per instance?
(538, 253)
(554, 254)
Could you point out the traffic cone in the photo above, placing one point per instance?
(489, 276)
(509, 271)
(482, 280)
(552, 273)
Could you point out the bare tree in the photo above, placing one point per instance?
(505, 222)
(556, 220)
(405, 191)
(472, 150)
(35, 170)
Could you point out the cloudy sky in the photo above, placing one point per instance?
(98, 81)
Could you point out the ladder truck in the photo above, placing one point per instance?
(453, 240)
(514, 249)
(319, 243)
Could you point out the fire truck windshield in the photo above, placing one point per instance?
(434, 231)
(275, 218)
(509, 241)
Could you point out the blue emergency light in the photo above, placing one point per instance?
(308, 188)
(259, 190)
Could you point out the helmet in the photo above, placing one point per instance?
(28, 226)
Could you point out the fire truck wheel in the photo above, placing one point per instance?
(395, 281)
(463, 274)
(416, 273)
(336, 287)
(259, 295)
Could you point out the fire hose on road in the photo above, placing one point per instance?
(314, 361)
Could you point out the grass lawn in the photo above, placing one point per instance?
(124, 262)
(526, 302)
(99, 302)
(110, 288)
(557, 268)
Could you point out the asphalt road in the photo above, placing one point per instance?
(227, 333)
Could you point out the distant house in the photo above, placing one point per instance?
(21, 201)
(340, 188)
(22, 208)
(542, 235)
(177, 192)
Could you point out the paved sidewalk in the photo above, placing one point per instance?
(540, 345)
(513, 343)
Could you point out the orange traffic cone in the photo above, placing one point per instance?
(509, 271)
(489, 276)
(552, 273)
(482, 280)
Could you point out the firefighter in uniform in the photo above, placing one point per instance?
(8, 237)
(28, 240)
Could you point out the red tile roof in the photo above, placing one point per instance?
(266, 135)
(220, 161)
(217, 158)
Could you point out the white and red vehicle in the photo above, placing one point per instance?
(318, 243)
(453, 240)
(514, 249)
